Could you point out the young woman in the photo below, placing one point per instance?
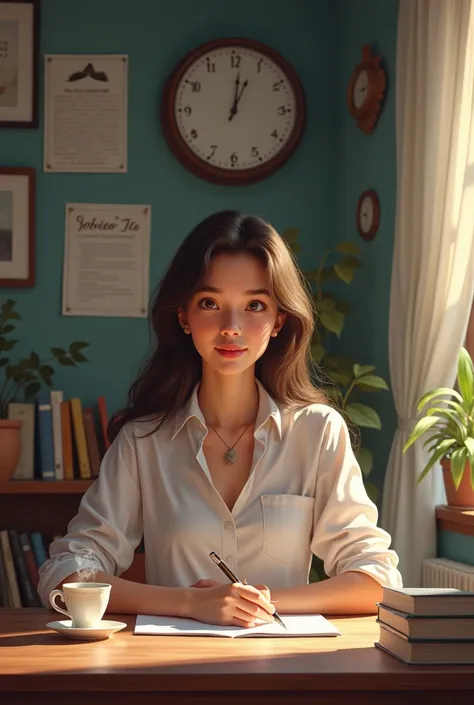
(227, 446)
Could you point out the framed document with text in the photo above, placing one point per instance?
(19, 49)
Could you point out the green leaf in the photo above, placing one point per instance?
(66, 362)
(317, 352)
(451, 416)
(4, 361)
(339, 377)
(469, 443)
(420, 428)
(362, 415)
(372, 491)
(348, 248)
(346, 268)
(361, 370)
(79, 357)
(7, 344)
(32, 389)
(324, 305)
(333, 321)
(466, 376)
(365, 459)
(79, 345)
(34, 360)
(6, 329)
(290, 234)
(458, 464)
(440, 453)
(441, 391)
(374, 381)
(58, 352)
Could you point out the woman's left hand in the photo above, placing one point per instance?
(209, 583)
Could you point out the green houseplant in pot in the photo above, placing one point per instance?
(22, 379)
(448, 430)
(344, 378)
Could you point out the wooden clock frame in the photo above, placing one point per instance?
(368, 114)
(188, 158)
(370, 235)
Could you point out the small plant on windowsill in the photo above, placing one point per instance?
(449, 420)
(23, 379)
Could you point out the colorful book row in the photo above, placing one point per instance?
(60, 440)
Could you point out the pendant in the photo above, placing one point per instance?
(230, 456)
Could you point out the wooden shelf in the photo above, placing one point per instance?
(45, 487)
(460, 521)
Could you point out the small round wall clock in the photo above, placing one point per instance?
(366, 91)
(233, 111)
(368, 214)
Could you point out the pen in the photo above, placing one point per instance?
(234, 579)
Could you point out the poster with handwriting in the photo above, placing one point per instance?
(106, 260)
(85, 113)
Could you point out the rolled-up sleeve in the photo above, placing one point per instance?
(108, 526)
(346, 536)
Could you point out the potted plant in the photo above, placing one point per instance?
(346, 378)
(450, 423)
(25, 377)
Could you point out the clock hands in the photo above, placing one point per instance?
(237, 95)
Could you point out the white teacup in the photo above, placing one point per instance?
(85, 602)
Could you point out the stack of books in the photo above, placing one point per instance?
(427, 625)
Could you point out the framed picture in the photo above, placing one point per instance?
(19, 49)
(17, 226)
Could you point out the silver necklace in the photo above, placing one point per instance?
(230, 455)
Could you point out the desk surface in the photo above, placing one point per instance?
(132, 668)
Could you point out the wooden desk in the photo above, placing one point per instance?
(40, 666)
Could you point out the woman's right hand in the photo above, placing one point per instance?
(236, 604)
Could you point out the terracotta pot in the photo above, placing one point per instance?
(464, 495)
(10, 447)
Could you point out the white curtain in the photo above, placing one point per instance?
(433, 262)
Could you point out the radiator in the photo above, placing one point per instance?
(442, 572)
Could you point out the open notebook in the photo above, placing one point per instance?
(297, 625)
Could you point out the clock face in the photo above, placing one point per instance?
(366, 214)
(361, 87)
(235, 111)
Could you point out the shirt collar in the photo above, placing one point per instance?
(267, 408)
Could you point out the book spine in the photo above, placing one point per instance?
(80, 436)
(12, 582)
(92, 442)
(68, 458)
(4, 592)
(27, 591)
(56, 397)
(104, 420)
(45, 439)
(39, 550)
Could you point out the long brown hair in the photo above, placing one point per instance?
(166, 380)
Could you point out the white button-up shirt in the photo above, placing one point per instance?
(304, 495)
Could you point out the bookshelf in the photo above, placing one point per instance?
(48, 507)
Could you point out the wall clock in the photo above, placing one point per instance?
(233, 111)
(368, 214)
(366, 91)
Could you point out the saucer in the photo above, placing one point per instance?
(102, 631)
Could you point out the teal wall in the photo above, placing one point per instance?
(456, 547)
(364, 162)
(316, 191)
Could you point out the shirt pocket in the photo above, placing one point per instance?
(287, 526)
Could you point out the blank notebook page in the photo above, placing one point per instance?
(297, 625)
